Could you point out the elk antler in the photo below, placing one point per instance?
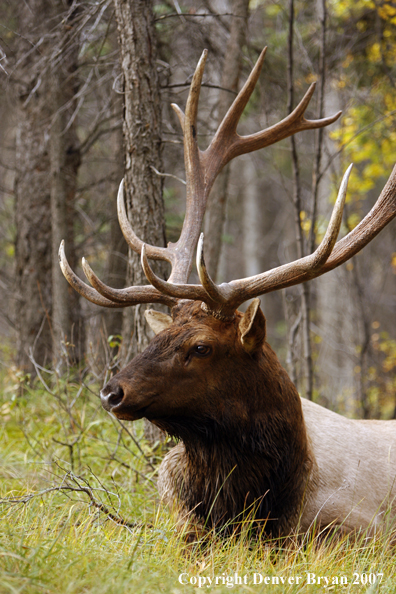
(202, 168)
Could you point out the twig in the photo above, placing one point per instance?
(207, 85)
(137, 444)
(68, 487)
(199, 15)
(168, 175)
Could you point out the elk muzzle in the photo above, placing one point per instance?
(127, 399)
(111, 398)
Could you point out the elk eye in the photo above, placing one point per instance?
(202, 350)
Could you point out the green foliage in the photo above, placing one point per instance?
(368, 141)
(382, 379)
(367, 135)
(173, 218)
(114, 341)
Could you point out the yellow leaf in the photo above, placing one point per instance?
(353, 221)
(374, 53)
(374, 170)
(393, 262)
(311, 77)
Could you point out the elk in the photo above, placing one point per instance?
(247, 442)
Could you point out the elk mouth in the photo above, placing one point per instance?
(125, 414)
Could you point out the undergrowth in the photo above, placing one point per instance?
(80, 513)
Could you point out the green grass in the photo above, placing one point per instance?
(55, 539)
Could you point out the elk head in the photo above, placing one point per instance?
(193, 357)
(207, 334)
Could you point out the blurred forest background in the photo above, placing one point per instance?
(86, 94)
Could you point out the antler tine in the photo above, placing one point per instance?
(323, 251)
(103, 295)
(156, 253)
(78, 285)
(300, 270)
(179, 291)
(97, 284)
(291, 124)
(215, 293)
(183, 249)
(179, 113)
(382, 213)
(231, 119)
(195, 89)
(131, 295)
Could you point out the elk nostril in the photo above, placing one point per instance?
(113, 398)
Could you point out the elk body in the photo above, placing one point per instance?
(249, 442)
(249, 445)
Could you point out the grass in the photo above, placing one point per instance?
(80, 514)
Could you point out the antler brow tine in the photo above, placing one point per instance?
(78, 285)
(156, 253)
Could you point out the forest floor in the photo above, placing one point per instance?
(80, 514)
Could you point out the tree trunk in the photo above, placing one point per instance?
(142, 140)
(118, 248)
(319, 133)
(32, 195)
(216, 210)
(65, 160)
(305, 291)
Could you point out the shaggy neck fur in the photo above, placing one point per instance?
(227, 472)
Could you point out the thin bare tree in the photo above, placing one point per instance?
(65, 159)
(216, 212)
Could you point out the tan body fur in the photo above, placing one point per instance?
(354, 479)
(352, 483)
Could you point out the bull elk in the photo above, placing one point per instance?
(247, 439)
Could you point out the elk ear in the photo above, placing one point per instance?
(252, 327)
(157, 320)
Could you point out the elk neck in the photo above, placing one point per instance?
(234, 467)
